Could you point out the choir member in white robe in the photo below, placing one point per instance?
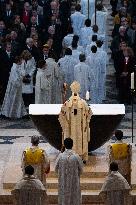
(66, 65)
(77, 20)
(84, 8)
(83, 76)
(29, 190)
(85, 33)
(56, 80)
(75, 52)
(101, 18)
(69, 166)
(78, 47)
(29, 67)
(94, 64)
(102, 83)
(100, 37)
(67, 40)
(13, 105)
(115, 189)
(93, 43)
(42, 86)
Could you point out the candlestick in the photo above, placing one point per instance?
(132, 81)
(87, 95)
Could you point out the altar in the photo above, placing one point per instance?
(105, 119)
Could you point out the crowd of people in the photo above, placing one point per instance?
(31, 189)
(123, 46)
(44, 48)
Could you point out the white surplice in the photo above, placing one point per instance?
(69, 166)
(115, 190)
(94, 64)
(13, 105)
(77, 21)
(82, 75)
(101, 19)
(29, 67)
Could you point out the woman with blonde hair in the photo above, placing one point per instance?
(29, 67)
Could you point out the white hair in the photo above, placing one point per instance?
(28, 40)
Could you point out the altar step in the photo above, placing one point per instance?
(88, 197)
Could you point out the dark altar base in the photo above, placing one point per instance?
(101, 129)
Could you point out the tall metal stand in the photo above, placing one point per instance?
(88, 8)
(95, 11)
(132, 106)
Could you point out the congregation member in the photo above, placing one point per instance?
(13, 105)
(121, 153)
(36, 157)
(6, 62)
(77, 20)
(115, 189)
(83, 75)
(29, 190)
(126, 64)
(74, 119)
(69, 167)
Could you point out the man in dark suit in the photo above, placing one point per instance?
(8, 15)
(6, 61)
(36, 53)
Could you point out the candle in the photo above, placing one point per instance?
(132, 81)
(87, 95)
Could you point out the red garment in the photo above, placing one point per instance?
(25, 18)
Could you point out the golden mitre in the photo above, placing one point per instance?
(75, 87)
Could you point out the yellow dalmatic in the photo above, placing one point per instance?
(36, 157)
(33, 157)
(121, 153)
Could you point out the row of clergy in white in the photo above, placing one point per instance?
(90, 73)
(78, 20)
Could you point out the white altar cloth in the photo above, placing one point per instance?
(97, 109)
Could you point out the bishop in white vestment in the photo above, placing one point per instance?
(74, 118)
